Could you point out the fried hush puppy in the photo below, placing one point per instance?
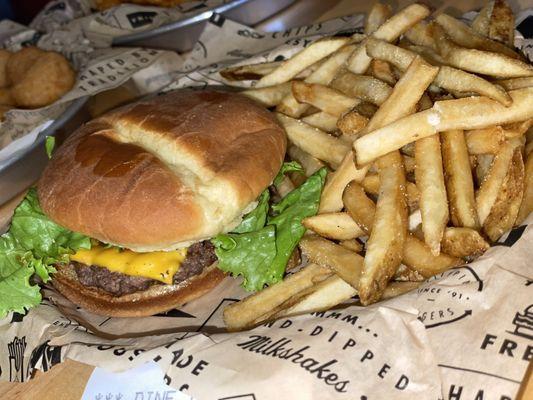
(44, 82)
(33, 78)
(20, 62)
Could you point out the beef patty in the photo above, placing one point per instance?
(199, 256)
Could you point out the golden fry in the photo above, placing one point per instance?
(385, 245)
(459, 182)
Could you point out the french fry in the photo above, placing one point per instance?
(478, 112)
(405, 95)
(256, 71)
(501, 23)
(491, 186)
(322, 97)
(331, 198)
(322, 120)
(241, 315)
(459, 182)
(323, 296)
(352, 245)
(465, 36)
(505, 209)
(483, 164)
(453, 79)
(480, 24)
(527, 201)
(400, 22)
(486, 63)
(382, 70)
(395, 289)
(345, 263)
(249, 72)
(351, 123)
(363, 87)
(271, 95)
(418, 256)
(516, 83)
(361, 208)
(323, 75)
(448, 78)
(463, 243)
(314, 141)
(285, 187)
(385, 245)
(480, 61)
(485, 140)
(433, 203)
(309, 163)
(378, 14)
(467, 113)
(359, 61)
(308, 56)
(337, 226)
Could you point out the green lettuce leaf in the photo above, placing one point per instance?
(261, 255)
(301, 203)
(34, 231)
(287, 167)
(33, 245)
(235, 252)
(17, 294)
(256, 218)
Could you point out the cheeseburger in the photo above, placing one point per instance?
(148, 185)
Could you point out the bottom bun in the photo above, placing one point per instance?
(154, 300)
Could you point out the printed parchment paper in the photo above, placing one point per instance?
(464, 334)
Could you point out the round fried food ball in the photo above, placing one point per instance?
(4, 57)
(49, 78)
(6, 99)
(20, 62)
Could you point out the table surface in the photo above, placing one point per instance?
(68, 379)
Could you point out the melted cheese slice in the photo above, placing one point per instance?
(158, 265)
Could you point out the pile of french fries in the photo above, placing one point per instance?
(424, 123)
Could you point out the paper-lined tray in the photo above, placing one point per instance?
(459, 335)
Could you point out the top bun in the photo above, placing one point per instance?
(162, 173)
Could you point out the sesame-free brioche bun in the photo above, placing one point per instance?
(165, 172)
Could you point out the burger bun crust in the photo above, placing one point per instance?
(165, 172)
